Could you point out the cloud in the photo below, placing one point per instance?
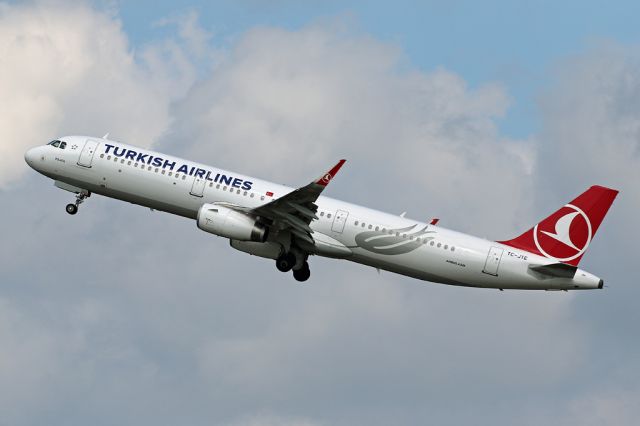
(67, 68)
(131, 316)
(285, 105)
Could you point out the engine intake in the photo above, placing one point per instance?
(226, 222)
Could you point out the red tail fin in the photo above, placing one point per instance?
(565, 235)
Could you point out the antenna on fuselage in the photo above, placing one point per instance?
(106, 136)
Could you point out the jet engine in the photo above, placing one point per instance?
(229, 223)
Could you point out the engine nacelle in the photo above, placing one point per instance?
(269, 249)
(229, 223)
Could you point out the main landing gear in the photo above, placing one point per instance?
(288, 261)
(73, 208)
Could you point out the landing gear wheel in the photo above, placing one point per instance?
(303, 273)
(71, 208)
(285, 262)
(80, 197)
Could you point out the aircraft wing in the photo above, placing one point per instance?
(295, 210)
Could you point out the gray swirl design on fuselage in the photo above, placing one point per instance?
(392, 241)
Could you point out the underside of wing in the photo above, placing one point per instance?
(295, 211)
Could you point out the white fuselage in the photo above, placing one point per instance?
(373, 238)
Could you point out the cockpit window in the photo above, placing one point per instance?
(58, 144)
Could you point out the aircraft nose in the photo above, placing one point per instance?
(30, 157)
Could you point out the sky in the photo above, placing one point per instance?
(488, 115)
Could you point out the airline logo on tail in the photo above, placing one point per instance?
(572, 229)
(566, 234)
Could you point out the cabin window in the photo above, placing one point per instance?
(163, 172)
(355, 223)
(245, 193)
(322, 214)
(370, 226)
(439, 245)
(135, 165)
(432, 243)
(377, 228)
(238, 192)
(170, 173)
(397, 234)
(122, 161)
(115, 159)
(364, 224)
(109, 157)
(251, 195)
(129, 163)
(224, 188)
(446, 247)
(262, 198)
(101, 155)
(328, 215)
(453, 248)
(184, 177)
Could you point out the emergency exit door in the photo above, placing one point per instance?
(339, 221)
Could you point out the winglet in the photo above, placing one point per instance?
(326, 178)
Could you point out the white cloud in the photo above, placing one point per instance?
(285, 105)
(182, 324)
(66, 68)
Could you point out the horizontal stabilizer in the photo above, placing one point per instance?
(556, 270)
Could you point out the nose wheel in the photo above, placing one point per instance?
(73, 207)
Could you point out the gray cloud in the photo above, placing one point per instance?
(120, 315)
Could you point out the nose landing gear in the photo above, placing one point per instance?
(73, 208)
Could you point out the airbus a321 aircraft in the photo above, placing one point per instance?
(288, 225)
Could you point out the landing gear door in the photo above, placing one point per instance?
(86, 156)
(339, 221)
(493, 261)
(197, 188)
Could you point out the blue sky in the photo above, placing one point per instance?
(514, 43)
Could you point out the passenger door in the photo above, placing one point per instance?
(86, 156)
(197, 188)
(493, 261)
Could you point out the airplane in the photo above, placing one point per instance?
(290, 224)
